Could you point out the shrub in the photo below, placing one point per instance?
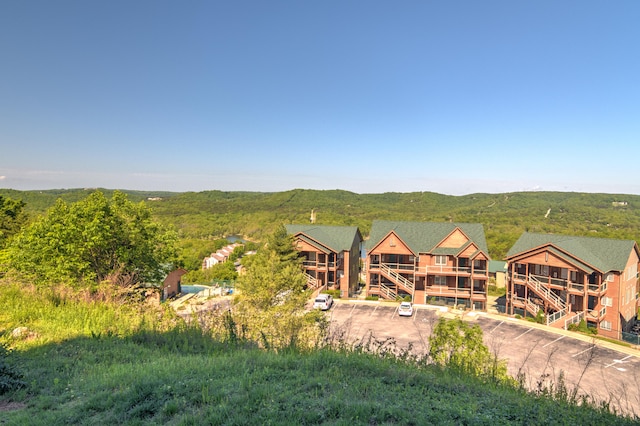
(582, 327)
(494, 290)
(10, 377)
(459, 346)
(373, 297)
(334, 293)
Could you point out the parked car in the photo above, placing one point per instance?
(405, 309)
(323, 301)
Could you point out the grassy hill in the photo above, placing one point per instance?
(88, 362)
(213, 214)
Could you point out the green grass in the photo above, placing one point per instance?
(116, 368)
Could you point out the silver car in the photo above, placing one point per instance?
(405, 309)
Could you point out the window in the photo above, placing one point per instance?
(605, 325)
(608, 277)
(440, 280)
(606, 301)
(631, 272)
(441, 260)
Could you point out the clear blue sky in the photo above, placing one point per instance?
(369, 96)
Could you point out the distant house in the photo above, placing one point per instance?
(220, 256)
(171, 284)
(570, 279)
(439, 262)
(498, 272)
(331, 255)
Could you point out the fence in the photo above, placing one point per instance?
(632, 338)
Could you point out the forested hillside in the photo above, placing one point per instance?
(212, 214)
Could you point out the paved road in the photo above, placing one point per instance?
(542, 355)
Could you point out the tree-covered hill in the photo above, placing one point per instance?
(211, 214)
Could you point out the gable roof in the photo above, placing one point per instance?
(337, 238)
(423, 237)
(603, 254)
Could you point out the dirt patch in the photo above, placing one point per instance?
(11, 406)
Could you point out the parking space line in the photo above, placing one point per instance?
(551, 343)
(374, 309)
(494, 328)
(522, 334)
(592, 347)
(352, 309)
(415, 313)
(618, 361)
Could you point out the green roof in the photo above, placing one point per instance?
(497, 266)
(337, 238)
(423, 237)
(603, 254)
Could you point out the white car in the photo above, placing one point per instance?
(323, 301)
(405, 309)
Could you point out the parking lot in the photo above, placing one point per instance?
(541, 355)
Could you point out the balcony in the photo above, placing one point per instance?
(312, 264)
(451, 270)
(596, 315)
(561, 284)
(575, 287)
(460, 292)
(393, 266)
(597, 289)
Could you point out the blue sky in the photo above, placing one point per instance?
(454, 97)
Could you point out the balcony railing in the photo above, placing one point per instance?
(396, 266)
(597, 315)
(556, 316)
(574, 320)
(526, 304)
(575, 286)
(560, 282)
(595, 288)
(319, 265)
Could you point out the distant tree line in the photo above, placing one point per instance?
(201, 218)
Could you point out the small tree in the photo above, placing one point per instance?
(457, 345)
(272, 295)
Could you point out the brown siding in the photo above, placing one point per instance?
(454, 240)
(469, 251)
(392, 244)
(302, 245)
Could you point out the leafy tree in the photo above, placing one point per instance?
(12, 218)
(457, 345)
(281, 243)
(93, 240)
(272, 295)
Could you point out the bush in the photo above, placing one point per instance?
(10, 377)
(582, 327)
(372, 298)
(334, 293)
(494, 290)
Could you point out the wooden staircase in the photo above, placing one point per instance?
(397, 279)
